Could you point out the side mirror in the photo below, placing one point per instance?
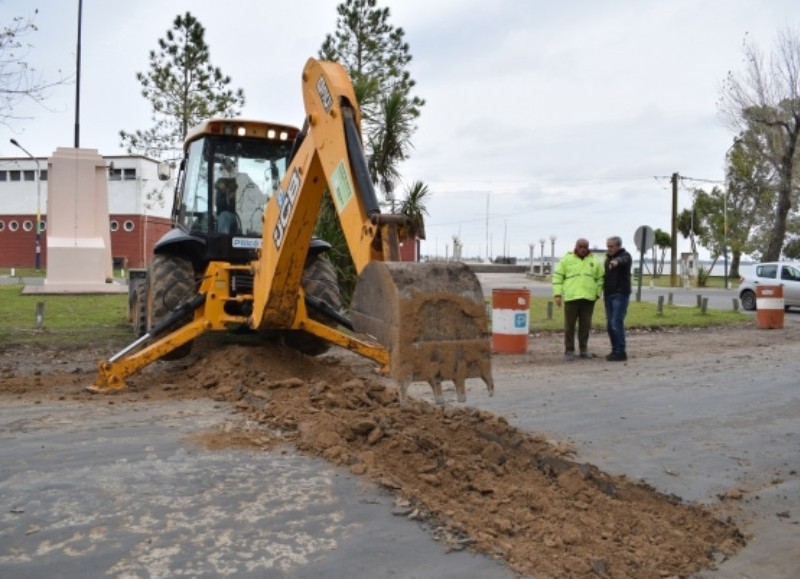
(164, 171)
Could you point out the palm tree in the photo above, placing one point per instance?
(329, 229)
(389, 146)
(689, 226)
(413, 207)
(663, 242)
(390, 143)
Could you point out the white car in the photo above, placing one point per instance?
(784, 273)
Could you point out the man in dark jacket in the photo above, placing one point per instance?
(616, 295)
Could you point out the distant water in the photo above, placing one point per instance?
(746, 268)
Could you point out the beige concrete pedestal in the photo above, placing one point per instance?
(78, 236)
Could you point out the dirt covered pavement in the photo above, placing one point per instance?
(474, 478)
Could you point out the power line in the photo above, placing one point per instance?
(494, 216)
(683, 178)
(702, 180)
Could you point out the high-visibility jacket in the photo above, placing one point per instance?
(578, 279)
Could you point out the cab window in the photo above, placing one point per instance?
(193, 213)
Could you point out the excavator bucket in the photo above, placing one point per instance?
(431, 317)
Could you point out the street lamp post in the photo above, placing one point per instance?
(38, 238)
(552, 254)
(541, 258)
(531, 246)
(725, 234)
(505, 241)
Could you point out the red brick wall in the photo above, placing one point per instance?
(131, 244)
(17, 248)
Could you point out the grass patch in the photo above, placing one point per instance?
(640, 315)
(78, 320)
(664, 281)
(98, 320)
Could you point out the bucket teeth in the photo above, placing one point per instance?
(431, 317)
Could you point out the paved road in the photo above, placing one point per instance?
(718, 299)
(117, 490)
(697, 427)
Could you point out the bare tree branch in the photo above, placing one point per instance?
(18, 80)
(763, 101)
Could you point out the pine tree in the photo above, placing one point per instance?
(183, 89)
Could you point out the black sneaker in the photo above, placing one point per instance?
(586, 356)
(615, 357)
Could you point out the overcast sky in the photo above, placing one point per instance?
(542, 119)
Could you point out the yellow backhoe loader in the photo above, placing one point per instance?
(242, 254)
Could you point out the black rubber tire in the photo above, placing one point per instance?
(748, 299)
(320, 282)
(170, 282)
(139, 311)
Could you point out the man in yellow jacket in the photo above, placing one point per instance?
(577, 283)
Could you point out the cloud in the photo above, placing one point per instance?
(567, 118)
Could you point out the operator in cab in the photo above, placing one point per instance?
(227, 221)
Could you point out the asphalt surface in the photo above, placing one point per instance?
(118, 490)
(696, 431)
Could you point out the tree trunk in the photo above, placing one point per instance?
(783, 205)
(736, 257)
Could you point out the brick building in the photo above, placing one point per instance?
(139, 207)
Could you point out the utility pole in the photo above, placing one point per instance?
(673, 274)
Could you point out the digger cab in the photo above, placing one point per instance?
(230, 170)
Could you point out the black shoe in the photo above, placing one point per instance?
(586, 356)
(615, 357)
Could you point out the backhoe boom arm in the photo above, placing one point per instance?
(418, 321)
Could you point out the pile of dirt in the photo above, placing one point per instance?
(479, 481)
(474, 479)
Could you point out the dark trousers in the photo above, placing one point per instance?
(580, 312)
(616, 309)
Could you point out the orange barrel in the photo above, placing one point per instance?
(510, 320)
(769, 307)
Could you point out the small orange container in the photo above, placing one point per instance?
(510, 320)
(769, 307)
